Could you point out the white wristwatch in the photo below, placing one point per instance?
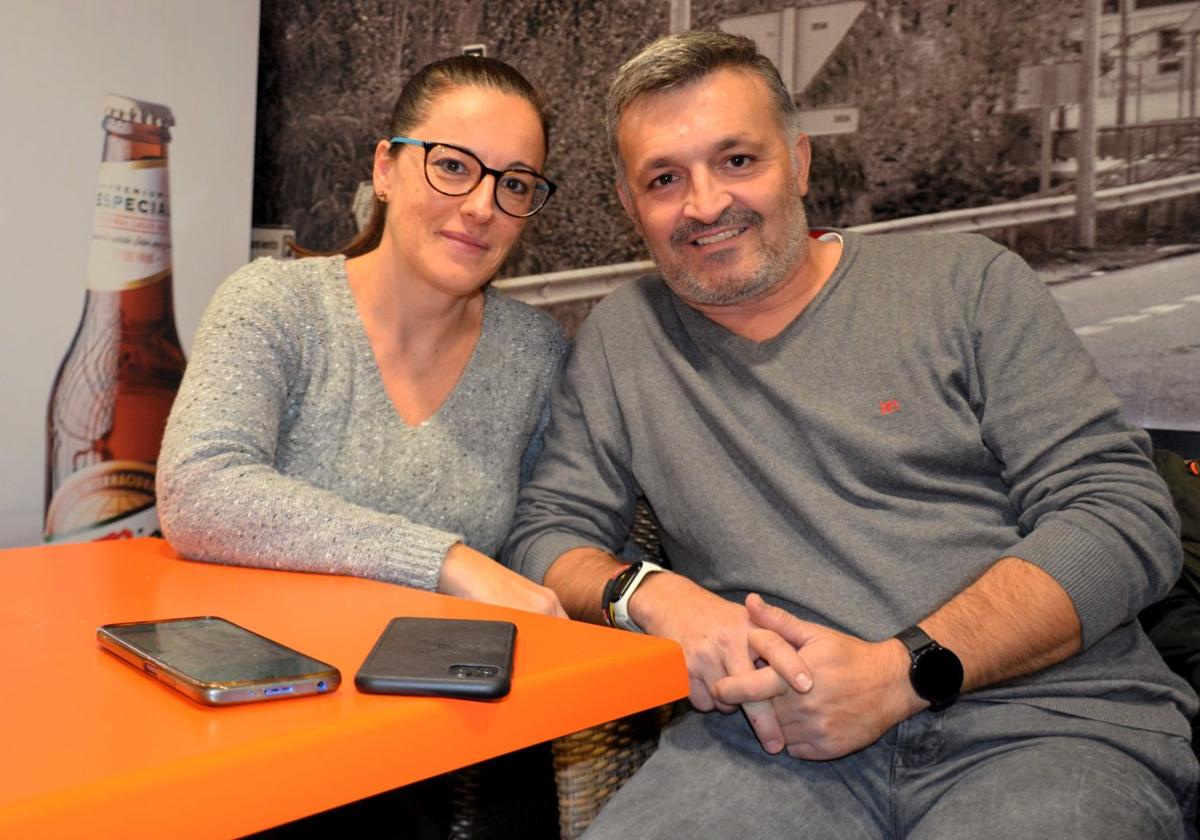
(619, 591)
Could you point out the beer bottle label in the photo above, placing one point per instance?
(108, 500)
(131, 227)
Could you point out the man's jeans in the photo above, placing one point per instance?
(975, 770)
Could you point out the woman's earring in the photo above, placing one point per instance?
(382, 196)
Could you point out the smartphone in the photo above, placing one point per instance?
(217, 662)
(441, 657)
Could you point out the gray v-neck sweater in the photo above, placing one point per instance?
(283, 449)
(929, 413)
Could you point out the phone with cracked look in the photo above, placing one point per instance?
(216, 662)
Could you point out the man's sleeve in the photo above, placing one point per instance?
(1092, 511)
(582, 492)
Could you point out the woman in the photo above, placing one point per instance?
(371, 413)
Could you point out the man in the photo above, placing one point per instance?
(900, 445)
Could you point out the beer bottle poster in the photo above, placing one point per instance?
(59, 61)
(114, 388)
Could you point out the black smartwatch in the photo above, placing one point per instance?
(619, 591)
(936, 673)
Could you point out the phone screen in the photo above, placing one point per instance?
(212, 650)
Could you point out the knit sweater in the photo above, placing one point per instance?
(927, 414)
(283, 449)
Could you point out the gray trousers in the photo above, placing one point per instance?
(975, 770)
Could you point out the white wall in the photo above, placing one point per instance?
(58, 58)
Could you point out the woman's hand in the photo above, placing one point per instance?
(468, 574)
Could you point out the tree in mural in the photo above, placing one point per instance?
(934, 81)
(330, 72)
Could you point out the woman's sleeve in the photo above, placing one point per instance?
(220, 497)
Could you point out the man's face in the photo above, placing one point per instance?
(715, 187)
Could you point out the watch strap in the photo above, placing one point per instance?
(914, 638)
(607, 597)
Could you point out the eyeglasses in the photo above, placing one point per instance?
(454, 171)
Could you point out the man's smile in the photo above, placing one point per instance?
(729, 225)
(723, 236)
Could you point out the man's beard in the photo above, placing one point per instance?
(779, 255)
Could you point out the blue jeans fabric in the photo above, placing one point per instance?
(975, 770)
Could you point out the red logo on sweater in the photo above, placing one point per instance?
(889, 406)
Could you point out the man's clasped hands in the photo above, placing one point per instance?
(805, 688)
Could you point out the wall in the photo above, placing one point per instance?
(58, 58)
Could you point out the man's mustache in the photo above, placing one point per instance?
(689, 229)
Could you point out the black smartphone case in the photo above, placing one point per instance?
(441, 657)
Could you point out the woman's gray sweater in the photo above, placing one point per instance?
(284, 451)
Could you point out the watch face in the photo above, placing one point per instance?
(621, 583)
(937, 674)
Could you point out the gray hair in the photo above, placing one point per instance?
(678, 60)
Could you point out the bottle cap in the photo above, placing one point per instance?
(137, 111)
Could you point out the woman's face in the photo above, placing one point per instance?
(454, 244)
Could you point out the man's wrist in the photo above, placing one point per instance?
(578, 577)
(899, 662)
(645, 607)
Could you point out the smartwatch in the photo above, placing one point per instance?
(619, 590)
(936, 673)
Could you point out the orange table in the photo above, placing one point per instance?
(93, 747)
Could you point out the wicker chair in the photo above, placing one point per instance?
(509, 796)
(590, 766)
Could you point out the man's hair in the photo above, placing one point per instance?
(678, 60)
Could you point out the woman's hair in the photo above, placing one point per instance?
(414, 105)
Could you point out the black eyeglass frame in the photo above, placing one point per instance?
(496, 174)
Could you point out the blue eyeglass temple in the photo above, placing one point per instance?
(408, 141)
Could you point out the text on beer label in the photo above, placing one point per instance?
(131, 226)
